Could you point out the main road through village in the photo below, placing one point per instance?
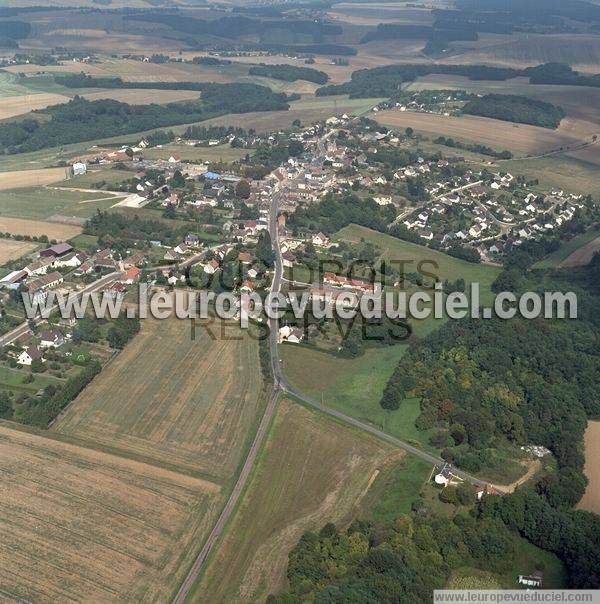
(282, 386)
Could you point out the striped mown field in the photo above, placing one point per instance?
(189, 404)
(82, 525)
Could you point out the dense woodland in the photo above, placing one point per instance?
(81, 120)
(514, 108)
(484, 385)
(334, 212)
(289, 73)
(406, 559)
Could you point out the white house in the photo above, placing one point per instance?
(320, 239)
(79, 168)
(28, 356)
(51, 339)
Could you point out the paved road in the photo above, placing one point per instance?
(261, 433)
(231, 502)
(281, 386)
(11, 336)
(424, 204)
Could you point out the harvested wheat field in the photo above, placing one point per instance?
(591, 498)
(11, 249)
(18, 105)
(143, 96)
(35, 228)
(30, 178)
(81, 525)
(166, 398)
(519, 138)
(313, 470)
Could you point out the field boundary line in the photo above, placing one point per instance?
(232, 502)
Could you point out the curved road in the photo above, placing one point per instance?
(282, 386)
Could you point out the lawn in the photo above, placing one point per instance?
(395, 489)
(355, 386)
(311, 471)
(96, 177)
(42, 203)
(81, 525)
(12, 379)
(217, 153)
(188, 404)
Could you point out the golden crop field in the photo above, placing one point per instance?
(312, 471)
(31, 178)
(135, 96)
(18, 105)
(82, 525)
(35, 228)
(169, 399)
(519, 138)
(11, 249)
(591, 498)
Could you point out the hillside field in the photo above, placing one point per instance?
(78, 524)
(438, 263)
(189, 404)
(571, 250)
(11, 249)
(311, 471)
(30, 178)
(522, 139)
(18, 105)
(35, 228)
(42, 203)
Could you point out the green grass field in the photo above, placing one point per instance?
(12, 379)
(557, 172)
(96, 175)
(395, 489)
(42, 202)
(429, 263)
(438, 263)
(218, 153)
(355, 386)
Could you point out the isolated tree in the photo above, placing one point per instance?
(242, 189)
(295, 148)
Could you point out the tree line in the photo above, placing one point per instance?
(516, 108)
(386, 80)
(81, 120)
(289, 73)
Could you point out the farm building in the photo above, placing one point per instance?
(79, 168)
